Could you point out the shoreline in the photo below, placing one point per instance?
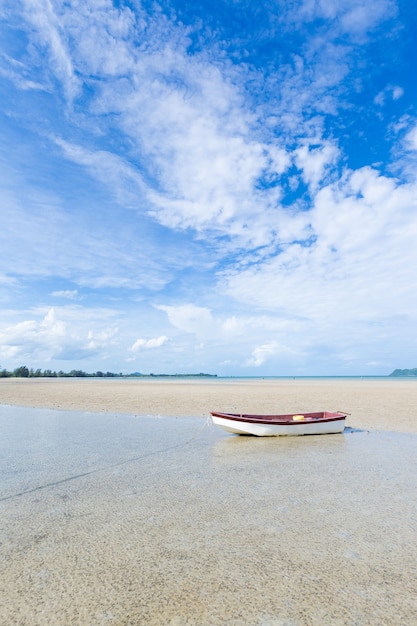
(372, 404)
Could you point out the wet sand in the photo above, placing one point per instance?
(130, 520)
(380, 404)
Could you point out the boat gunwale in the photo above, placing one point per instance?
(285, 419)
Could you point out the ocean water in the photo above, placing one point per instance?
(319, 378)
(130, 520)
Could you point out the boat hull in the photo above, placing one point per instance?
(274, 426)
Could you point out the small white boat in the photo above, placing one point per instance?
(322, 423)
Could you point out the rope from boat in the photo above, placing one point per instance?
(207, 423)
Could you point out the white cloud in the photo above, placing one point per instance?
(100, 339)
(380, 98)
(411, 139)
(24, 336)
(397, 93)
(261, 353)
(348, 17)
(189, 317)
(124, 180)
(359, 263)
(56, 333)
(49, 31)
(358, 19)
(393, 92)
(69, 294)
(268, 352)
(316, 162)
(155, 342)
(18, 73)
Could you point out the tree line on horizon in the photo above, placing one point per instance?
(26, 372)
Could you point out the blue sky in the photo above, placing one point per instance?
(226, 187)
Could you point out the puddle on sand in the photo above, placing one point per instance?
(128, 520)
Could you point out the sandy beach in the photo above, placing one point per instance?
(377, 404)
(122, 505)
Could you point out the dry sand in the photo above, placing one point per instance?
(377, 404)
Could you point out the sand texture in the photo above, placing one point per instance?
(146, 521)
(389, 404)
(132, 509)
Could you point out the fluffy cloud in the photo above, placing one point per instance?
(358, 252)
(315, 162)
(59, 334)
(189, 317)
(155, 342)
(261, 353)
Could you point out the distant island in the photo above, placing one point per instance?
(410, 372)
(200, 375)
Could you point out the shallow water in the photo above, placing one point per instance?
(127, 520)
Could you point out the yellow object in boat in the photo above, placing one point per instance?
(298, 418)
